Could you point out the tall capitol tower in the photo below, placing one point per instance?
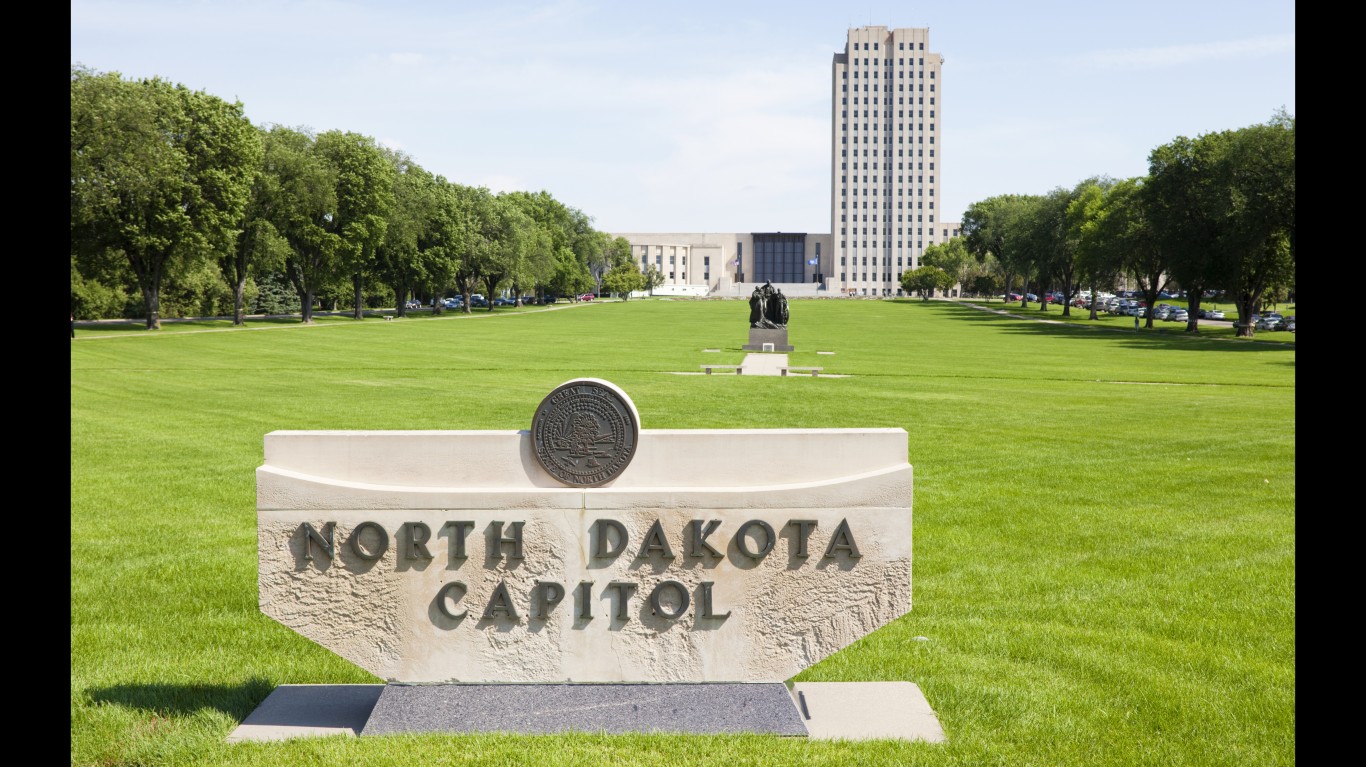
(886, 99)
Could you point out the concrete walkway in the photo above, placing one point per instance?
(764, 364)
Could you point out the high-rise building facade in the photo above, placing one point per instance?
(885, 170)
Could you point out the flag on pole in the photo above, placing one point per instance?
(814, 261)
(737, 262)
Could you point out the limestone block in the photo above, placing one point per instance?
(716, 555)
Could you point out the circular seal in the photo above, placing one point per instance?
(585, 432)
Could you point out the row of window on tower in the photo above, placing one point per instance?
(901, 114)
(901, 45)
(900, 75)
(899, 86)
(900, 100)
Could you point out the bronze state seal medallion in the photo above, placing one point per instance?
(585, 432)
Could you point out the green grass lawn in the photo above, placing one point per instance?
(1104, 521)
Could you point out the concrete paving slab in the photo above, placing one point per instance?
(866, 711)
(764, 364)
(308, 711)
(717, 708)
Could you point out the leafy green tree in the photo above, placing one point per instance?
(1187, 196)
(474, 231)
(985, 282)
(1034, 237)
(159, 173)
(1260, 169)
(364, 179)
(307, 199)
(400, 255)
(923, 281)
(445, 239)
(258, 247)
(536, 261)
(622, 280)
(604, 253)
(514, 236)
(1099, 266)
(991, 227)
(571, 276)
(653, 278)
(566, 227)
(951, 256)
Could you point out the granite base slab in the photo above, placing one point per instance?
(818, 710)
(867, 711)
(777, 337)
(309, 711)
(712, 708)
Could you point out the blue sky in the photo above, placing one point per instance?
(711, 116)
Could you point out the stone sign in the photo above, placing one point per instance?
(585, 549)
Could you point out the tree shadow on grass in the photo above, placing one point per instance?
(1020, 322)
(166, 700)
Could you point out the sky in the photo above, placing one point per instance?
(711, 116)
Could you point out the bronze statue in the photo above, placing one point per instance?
(767, 307)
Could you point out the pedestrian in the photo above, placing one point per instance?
(73, 324)
(1135, 323)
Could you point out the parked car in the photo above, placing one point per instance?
(504, 301)
(1012, 297)
(478, 300)
(528, 300)
(587, 297)
(1267, 321)
(1211, 314)
(413, 304)
(1289, 323)
(1163, 312)
(548, 299)
(1179, 315)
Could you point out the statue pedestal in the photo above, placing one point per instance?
(760, 336)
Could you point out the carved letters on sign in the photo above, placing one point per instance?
(755, 539)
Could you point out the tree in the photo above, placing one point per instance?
(536, 263)
(159, 173)
(513, 237)
(473, 230)
(1260, 173)
(951, 256)
(623, 276)
(622, 280)
(924, 280)
(653, 278)
(1036, 234)
(258, 248)
(991, 227)
(1187, 197)
(1098, 265)
(400, 256)
(364, 179)
(305, 185)
(571, 276)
